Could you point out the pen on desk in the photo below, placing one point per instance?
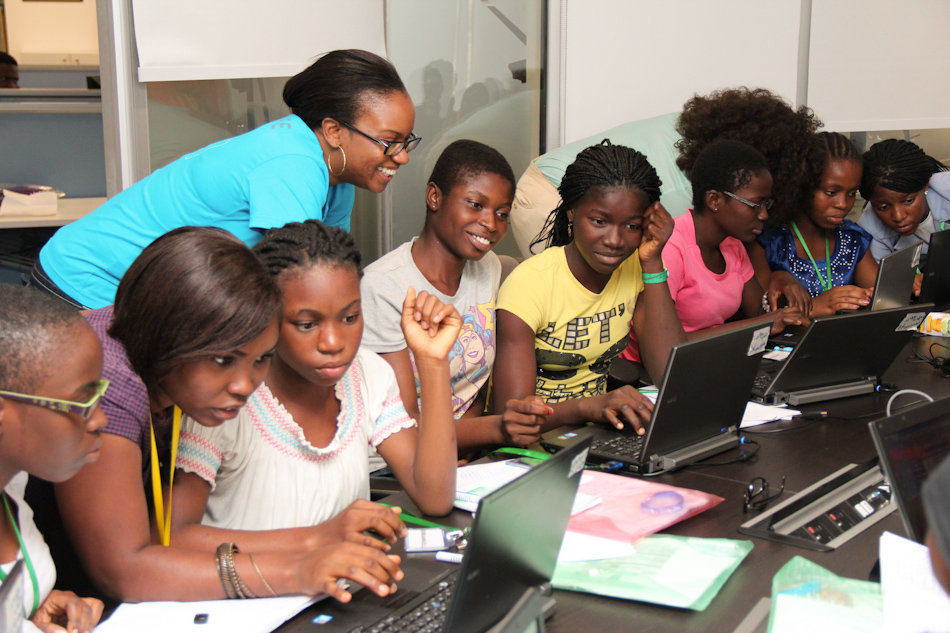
(449, 557)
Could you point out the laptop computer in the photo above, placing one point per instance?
(512, 551)
(895, 278)
(11, 599)
(910, 445)
(935, 287)
(838, 356)
(893, 288)
(700, 404)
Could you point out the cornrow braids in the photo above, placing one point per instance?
(897, 165)
(299, 244)
(824, 149)
(603, 165)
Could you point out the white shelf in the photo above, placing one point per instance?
(69, 209)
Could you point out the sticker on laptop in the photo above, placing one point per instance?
(911, 322)
(916, 262)
(759, 340)
(577, 464)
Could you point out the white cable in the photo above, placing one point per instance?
(887, 411)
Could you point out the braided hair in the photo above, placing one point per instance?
(897, 165)
(298, 244)
(603, 165)
(823, 149)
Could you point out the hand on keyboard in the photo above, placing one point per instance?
(321, 569)
(620, 406)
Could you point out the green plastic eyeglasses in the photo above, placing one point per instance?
(390, 148)
(83, 409)
(767, 203)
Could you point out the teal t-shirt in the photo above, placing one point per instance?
(259, 180)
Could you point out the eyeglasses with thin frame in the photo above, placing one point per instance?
(768, 203)
(757, 496)
(390, 148)
(83, 409)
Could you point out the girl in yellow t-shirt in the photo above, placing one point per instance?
(564, 314)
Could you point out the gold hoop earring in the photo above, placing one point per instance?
(342, 169)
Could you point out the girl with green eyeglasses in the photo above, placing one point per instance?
(50, 386)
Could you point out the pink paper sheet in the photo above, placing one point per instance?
(633, 508)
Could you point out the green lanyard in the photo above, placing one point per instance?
(414, 520)
(536, 456)
(26, 559)
(825, 282)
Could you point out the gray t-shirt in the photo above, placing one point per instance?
(383, 290)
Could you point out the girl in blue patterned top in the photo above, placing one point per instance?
(298, 455)
(823, 251)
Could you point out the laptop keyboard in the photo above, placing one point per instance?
(427, 617)
(625, 447)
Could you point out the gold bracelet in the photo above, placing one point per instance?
(241, 589)
(223, 573)
(261, 575)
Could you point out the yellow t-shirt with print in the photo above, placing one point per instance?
(577, 332)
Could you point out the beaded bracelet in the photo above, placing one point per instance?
(766, 307)
(656, 278)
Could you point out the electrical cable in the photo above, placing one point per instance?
(916, 392)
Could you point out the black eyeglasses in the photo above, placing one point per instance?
(768, 203)
(757, 495)
(390, 148)
(83, 409)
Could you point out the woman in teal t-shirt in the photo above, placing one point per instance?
(351, 125)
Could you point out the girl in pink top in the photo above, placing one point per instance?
(711, 276)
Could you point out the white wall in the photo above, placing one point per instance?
(53, 33)
(865, 64)
(880, 64)
(633, 59)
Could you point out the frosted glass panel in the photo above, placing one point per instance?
(476, 75)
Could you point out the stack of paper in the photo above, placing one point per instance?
(913, 599)
(39, 203)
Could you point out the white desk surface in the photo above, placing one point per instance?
(69, 209)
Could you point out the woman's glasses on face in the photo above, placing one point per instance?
(768, 203)
(390, 148)
(83, 409)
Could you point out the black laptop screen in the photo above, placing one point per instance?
(913, 446)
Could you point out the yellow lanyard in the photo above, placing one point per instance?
(163, 518)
